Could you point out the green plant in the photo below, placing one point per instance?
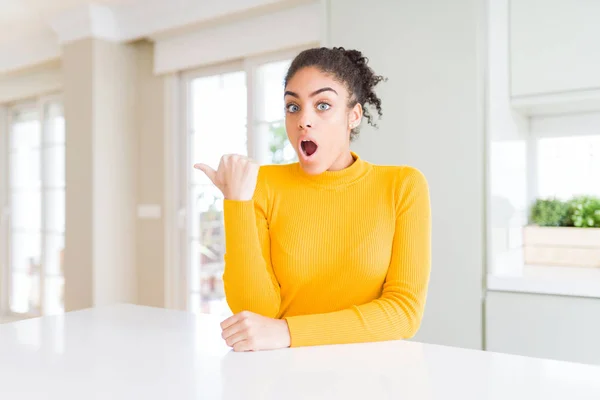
(549, 212)
(580, 212)
(584, 212)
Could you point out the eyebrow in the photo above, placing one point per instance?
(316, 92)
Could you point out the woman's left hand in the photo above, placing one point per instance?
(247, 331)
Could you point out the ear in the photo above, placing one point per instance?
(355, 116)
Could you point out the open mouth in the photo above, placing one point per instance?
(308, 147)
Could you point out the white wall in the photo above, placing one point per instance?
(555, 46)
(101, 172)
(79, 216)
(432, 52)
(150, 109)
(115, 152)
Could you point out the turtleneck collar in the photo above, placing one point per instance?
(336, 179)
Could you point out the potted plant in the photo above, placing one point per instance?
(563, 233)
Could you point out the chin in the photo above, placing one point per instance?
(312, 169)
(312, 166)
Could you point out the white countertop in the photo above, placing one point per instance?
(131, 352)
(510, 274)
(561, 281)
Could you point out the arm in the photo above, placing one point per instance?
(397, 313)
(250, 284)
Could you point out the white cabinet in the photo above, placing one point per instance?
(546, 326)
(554, 55)
(554, 46)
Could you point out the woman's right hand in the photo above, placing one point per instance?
(235, 177)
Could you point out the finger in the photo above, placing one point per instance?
(232, 330)
(228, 158)
(234, 158)
(231, 320)
(244, 345)
(210, 173)
(235, 338)
(248, 164)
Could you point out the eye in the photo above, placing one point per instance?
(292, 108)
(323, 106)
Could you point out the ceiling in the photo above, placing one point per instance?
(27, 18)
(32, 31)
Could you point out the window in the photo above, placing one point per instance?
(568, 166)
(237, 108)
(36, 209)
(554, 156)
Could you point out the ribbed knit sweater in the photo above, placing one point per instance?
(343, 256)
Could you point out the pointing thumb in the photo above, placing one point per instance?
(208, 171)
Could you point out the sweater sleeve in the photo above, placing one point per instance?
(249, 281)
(397, 313)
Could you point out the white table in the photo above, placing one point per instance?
(131, 352)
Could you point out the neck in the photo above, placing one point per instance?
(341, 174)
(342, 162)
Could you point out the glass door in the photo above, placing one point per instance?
(217, 118)
(235, 109)
(36, 209)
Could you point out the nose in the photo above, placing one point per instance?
(304, 122)
(304, 125)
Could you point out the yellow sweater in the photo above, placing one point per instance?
(343, 257)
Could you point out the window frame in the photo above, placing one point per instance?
(533, 129)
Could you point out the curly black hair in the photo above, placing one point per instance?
(350, 68)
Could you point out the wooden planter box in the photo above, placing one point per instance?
(566, 246)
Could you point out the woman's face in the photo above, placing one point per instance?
(318, 120)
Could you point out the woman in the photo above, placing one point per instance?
(331, 249)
